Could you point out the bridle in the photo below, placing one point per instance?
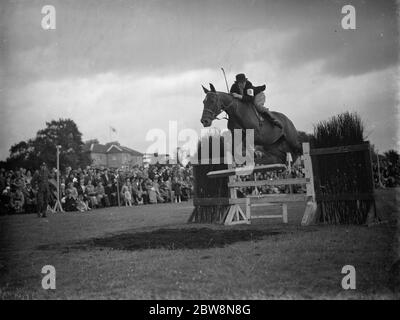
(220, 106)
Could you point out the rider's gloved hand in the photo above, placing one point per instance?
(236, 95)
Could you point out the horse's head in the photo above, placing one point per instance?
(212, 107)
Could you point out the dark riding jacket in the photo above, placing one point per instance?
(246, 98)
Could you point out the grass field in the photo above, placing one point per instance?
(150, 252)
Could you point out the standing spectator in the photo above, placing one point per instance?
(127, 193)
(41, 178)
(106, 177)
(114, 193)
(135, 191)
(176, 187)
(151, 193)
(187, 188)
(140, 191)
(108, 192)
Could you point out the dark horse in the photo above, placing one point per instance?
(271, 142)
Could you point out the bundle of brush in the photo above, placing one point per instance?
(342, 175)
(341, 130)
(205, 187)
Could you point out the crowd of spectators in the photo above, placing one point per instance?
(90, 188)
(295, 172)
(389, 174)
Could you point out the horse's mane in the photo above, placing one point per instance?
(232, 112)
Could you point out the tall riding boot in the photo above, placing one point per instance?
(265, 111)
(273, 120)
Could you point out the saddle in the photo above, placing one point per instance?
(274, 132)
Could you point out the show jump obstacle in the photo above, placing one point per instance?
(228, 210)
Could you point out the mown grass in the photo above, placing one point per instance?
(282, 261)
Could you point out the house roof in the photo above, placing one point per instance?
(109, 148)
(131, 151)
(93, 147)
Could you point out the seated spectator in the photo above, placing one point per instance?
(91, 192)
(101, 195)
(81, 204)
(17, 200)
(165, 191)
(70, 178)
(156, 187)
(71, 198)
(83, 199)
(30, 199)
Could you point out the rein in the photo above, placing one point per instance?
(220, 106)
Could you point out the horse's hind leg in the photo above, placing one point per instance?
(259, 152)
(269, 155)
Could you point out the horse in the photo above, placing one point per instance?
(271, 142)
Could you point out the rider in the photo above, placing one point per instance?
(244, 90)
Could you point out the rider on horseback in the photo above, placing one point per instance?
(244, 90)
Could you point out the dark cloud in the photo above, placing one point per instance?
(169, 36)
(164, 38)
(372, 46)
(128, 36)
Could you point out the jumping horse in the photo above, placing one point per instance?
(271, 142)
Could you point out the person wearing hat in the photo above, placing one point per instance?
(41, 178)
(244, 90)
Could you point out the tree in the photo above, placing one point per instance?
(304, 137)
(20, 154)
(91, 141)
(392, 156)
(63, 132)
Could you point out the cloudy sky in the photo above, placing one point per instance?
(136, 65)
